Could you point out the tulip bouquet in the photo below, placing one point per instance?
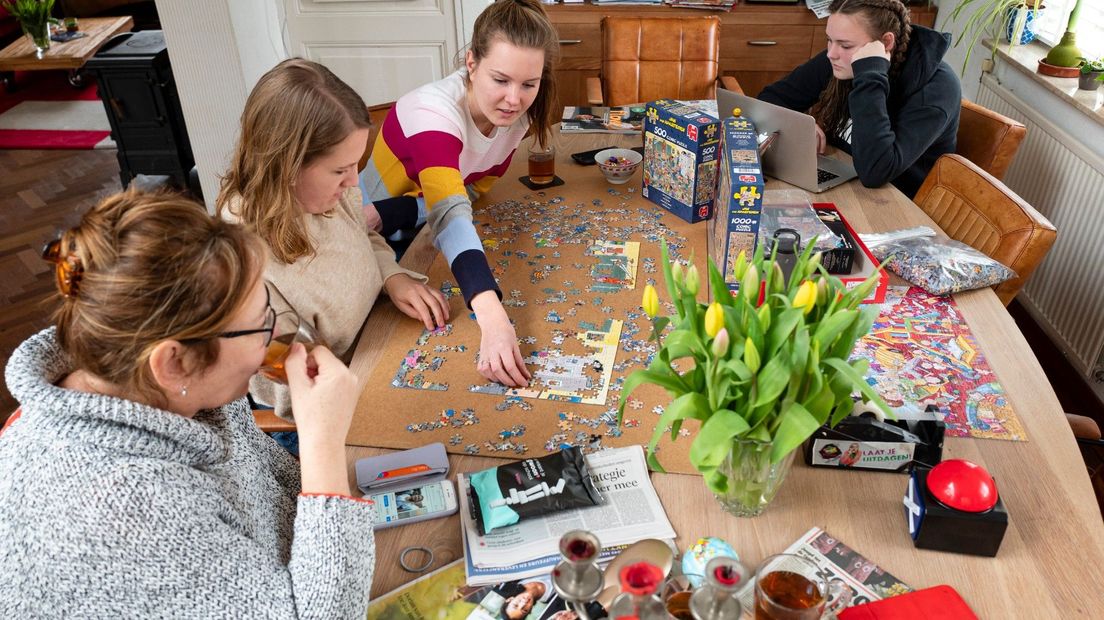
(770, 365)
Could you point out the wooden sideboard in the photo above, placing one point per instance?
(759, 43)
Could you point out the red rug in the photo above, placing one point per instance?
(45, 112)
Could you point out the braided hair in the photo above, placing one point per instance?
(879, 16)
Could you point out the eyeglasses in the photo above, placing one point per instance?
(268, 330)
(68, 269)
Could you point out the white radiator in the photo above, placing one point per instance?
(1065, 182)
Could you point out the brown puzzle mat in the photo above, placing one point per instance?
(536, 244)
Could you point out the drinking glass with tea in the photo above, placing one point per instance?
(290, 328)
(542, 163)
(789, 587)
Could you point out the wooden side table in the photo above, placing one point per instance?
(71, 55)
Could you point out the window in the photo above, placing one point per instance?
(1090, 26)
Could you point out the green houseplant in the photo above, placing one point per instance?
(35, 19)
(989, 18)
(766, 372)
(1092, 73)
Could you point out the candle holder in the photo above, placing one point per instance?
(577, 578)
(716, 598)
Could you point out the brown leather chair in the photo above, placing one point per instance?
(988, 139)
(648, 58)
(377, 113)
(973, 207)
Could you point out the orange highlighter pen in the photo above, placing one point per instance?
(402, 471)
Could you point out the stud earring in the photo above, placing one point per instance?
(184, 391)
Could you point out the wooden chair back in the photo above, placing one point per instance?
(649, 58)
(973, 207)
(988, 139)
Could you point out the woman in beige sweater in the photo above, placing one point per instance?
(293, 181)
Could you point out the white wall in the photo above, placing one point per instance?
(971, 78)
(218, 50)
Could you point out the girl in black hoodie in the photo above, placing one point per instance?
(880, 92)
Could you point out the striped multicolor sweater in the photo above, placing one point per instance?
(429, 147)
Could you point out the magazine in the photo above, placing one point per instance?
(860, 580)
(443, 595)
(622, 119)
(632, 512)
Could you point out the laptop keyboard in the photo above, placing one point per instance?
(823, 176)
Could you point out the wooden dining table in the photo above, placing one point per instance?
(1051, 562)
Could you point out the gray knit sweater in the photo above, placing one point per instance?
(112, 509)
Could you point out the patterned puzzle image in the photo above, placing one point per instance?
(707, 181)
(668, 168)
(922, 353)
(615, 269)
(579, 372)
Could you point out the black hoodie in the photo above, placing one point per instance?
(899, 128)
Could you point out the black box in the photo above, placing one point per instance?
(842, 259)
(934, 525)
(864, 442)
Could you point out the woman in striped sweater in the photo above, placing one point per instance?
(444, 144)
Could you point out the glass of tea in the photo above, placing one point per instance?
(542, 163)
(789, 587)
(289, 330)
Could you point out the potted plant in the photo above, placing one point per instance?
(35, 19)
(1015, 18)
(770, 366)
(1092, 73)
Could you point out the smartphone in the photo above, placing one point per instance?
(415, 503)
(586, 158)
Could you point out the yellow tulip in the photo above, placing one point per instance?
(676, 273)
(714, 319)
(751, 355)
(650, 303)
(806, 296)
(692, 281)
(740, 266)
(749, 285)
(720, 343)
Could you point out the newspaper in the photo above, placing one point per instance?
(632, 512)
(852, 579)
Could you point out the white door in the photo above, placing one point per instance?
(381, 48)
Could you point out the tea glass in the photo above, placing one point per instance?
(290, 328)
(676, 597)
(542, 163)
(789, 587)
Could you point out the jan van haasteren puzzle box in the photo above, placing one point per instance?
(739, 197)
(680, 158)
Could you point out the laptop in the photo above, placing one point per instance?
(793, 157)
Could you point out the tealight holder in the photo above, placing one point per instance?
(577, 578)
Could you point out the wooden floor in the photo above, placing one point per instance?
(44, 191)
(41, 192)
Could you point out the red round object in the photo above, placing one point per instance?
(963, 485)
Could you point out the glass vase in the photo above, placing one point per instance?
(753, 480)
(39, 35)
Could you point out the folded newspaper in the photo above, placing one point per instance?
(853, 578)
(632, 512)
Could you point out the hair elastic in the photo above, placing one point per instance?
(416, 569)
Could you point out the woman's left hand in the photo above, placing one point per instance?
(417, 301)
(870, 50)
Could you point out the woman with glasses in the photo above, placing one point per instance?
(293, 181)
(135, 482)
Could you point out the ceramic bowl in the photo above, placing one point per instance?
(618, 164)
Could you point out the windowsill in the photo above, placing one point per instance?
(1025, 58)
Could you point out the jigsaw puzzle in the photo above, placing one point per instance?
(922, 353)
